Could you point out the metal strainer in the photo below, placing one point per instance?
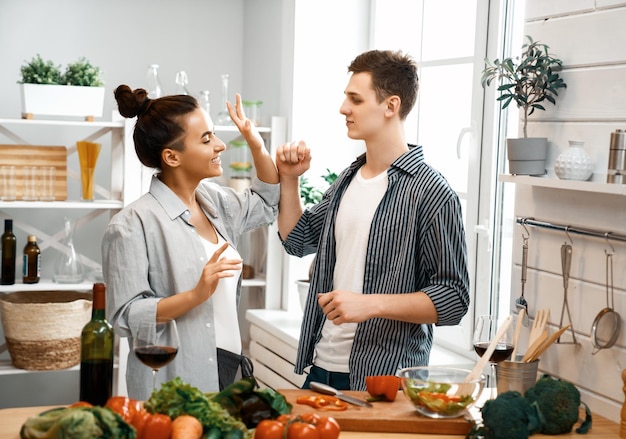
(606, 325)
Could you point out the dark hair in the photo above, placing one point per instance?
(393, 73)
(159, 124)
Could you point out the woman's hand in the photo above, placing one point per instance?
(215, 269)
(293, 159)
(245, 126)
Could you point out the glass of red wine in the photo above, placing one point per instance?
(486, 329)
(156, 344)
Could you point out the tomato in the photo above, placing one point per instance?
(81, 404)
(382, 387)
(158, 426)
(328, 428)
(151, 426)
(304, 426)
(268, 429)
(311, 418)
(123, 406)
(302, 430)
(139, 422)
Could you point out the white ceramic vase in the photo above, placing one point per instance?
(574, 163)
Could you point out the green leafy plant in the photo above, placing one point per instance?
(82, 72)
(311, 194)
(38, 71)
(528, 80)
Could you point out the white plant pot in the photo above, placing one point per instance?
(62, 100)
(303, 292)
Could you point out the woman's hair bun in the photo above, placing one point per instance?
(131, 103)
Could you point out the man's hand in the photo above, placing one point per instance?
(344, 306)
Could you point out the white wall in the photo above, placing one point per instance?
(589, 37)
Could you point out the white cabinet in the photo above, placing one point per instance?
(117, 183)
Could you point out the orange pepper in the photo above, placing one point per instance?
(323, 402)
(124, 406)
(382, 387)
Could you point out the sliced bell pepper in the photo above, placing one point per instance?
(382, 387)
(323, 402)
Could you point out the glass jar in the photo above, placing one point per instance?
(240, 165)
(253, 111)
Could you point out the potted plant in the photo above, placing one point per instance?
(529, 80)
(311, 195)
(79, 91)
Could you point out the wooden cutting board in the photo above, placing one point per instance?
(398, 416)
(40, 156)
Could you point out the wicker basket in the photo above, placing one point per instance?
(42, 328)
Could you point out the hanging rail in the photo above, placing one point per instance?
(571, 229)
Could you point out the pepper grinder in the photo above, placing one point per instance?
(617, 158)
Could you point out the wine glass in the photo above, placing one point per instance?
(156, 344)
(486, 329)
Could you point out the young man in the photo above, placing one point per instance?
(391, 256)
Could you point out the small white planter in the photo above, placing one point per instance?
(62, 100)
(303, 292)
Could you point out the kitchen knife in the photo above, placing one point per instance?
(328, 390)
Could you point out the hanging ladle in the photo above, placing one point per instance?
(606, 325)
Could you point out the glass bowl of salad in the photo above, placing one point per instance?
(440, 391)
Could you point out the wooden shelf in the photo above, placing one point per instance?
(572, 185)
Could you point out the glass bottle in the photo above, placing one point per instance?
(8, 254)
(204, 101)
(31, 268)
(181, 83)
(68, 269)
(154, 84)
(96, 352)
(223, 118)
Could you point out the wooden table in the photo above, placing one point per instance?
(11, 420)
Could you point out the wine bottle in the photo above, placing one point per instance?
(96, 353)
(8, 254)
(31, 271)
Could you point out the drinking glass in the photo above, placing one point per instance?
(156, 344)
(486, 330)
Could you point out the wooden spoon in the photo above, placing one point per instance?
(547, 342)
(480, 365)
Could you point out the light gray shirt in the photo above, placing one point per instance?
(151, 251)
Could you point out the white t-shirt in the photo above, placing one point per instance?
(352, 229)
(224, 299)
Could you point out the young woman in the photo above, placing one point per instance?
(172, 253)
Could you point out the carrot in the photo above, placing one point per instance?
(186, 427)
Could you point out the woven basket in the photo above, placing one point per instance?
(42, 328)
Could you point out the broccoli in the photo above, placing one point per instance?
(558, 401)
(509, 416)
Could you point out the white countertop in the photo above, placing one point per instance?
(279, 323)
